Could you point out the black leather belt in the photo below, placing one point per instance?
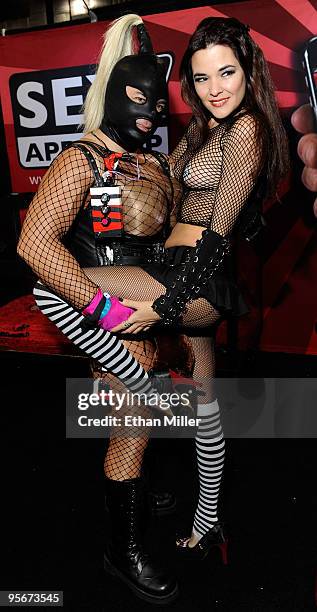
(115, 253)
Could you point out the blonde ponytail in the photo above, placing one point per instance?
(117, 44)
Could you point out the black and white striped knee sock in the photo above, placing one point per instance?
(210, 448)
(102, 345)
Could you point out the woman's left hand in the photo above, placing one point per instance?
(141, 320)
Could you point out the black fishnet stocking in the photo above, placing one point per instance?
(204, 368)
(124, 457)
(125, 452)
(200, 313)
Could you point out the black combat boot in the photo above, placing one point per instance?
(124, 554)
(160, 503)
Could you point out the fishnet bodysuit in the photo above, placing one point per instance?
(63, 190)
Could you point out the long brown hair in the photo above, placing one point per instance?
(259, 96)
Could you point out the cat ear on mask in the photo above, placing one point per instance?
(162, 66)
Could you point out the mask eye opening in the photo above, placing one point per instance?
(135, 95)
(161, 105)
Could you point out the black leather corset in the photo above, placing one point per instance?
(127, 250)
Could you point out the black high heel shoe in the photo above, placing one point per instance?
(213, 538)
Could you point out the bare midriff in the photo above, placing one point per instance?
(184, 234)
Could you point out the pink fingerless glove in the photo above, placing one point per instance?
(102, 303)
(116, 315)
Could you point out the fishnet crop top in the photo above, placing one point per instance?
(63, 192)
(219, 176)
(218, 179)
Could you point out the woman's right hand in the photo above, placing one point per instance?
(142, 318)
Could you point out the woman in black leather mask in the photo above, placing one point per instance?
(141, 79)
(73, 250)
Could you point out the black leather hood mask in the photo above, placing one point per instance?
(146, 73)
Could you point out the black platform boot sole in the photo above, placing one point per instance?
(159, 600)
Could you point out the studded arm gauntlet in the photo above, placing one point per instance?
(200, 265)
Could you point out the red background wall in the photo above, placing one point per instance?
(281, 283)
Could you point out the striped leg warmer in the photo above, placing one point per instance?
(102, 345)
(210, 448)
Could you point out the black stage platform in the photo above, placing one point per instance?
(52, 496)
